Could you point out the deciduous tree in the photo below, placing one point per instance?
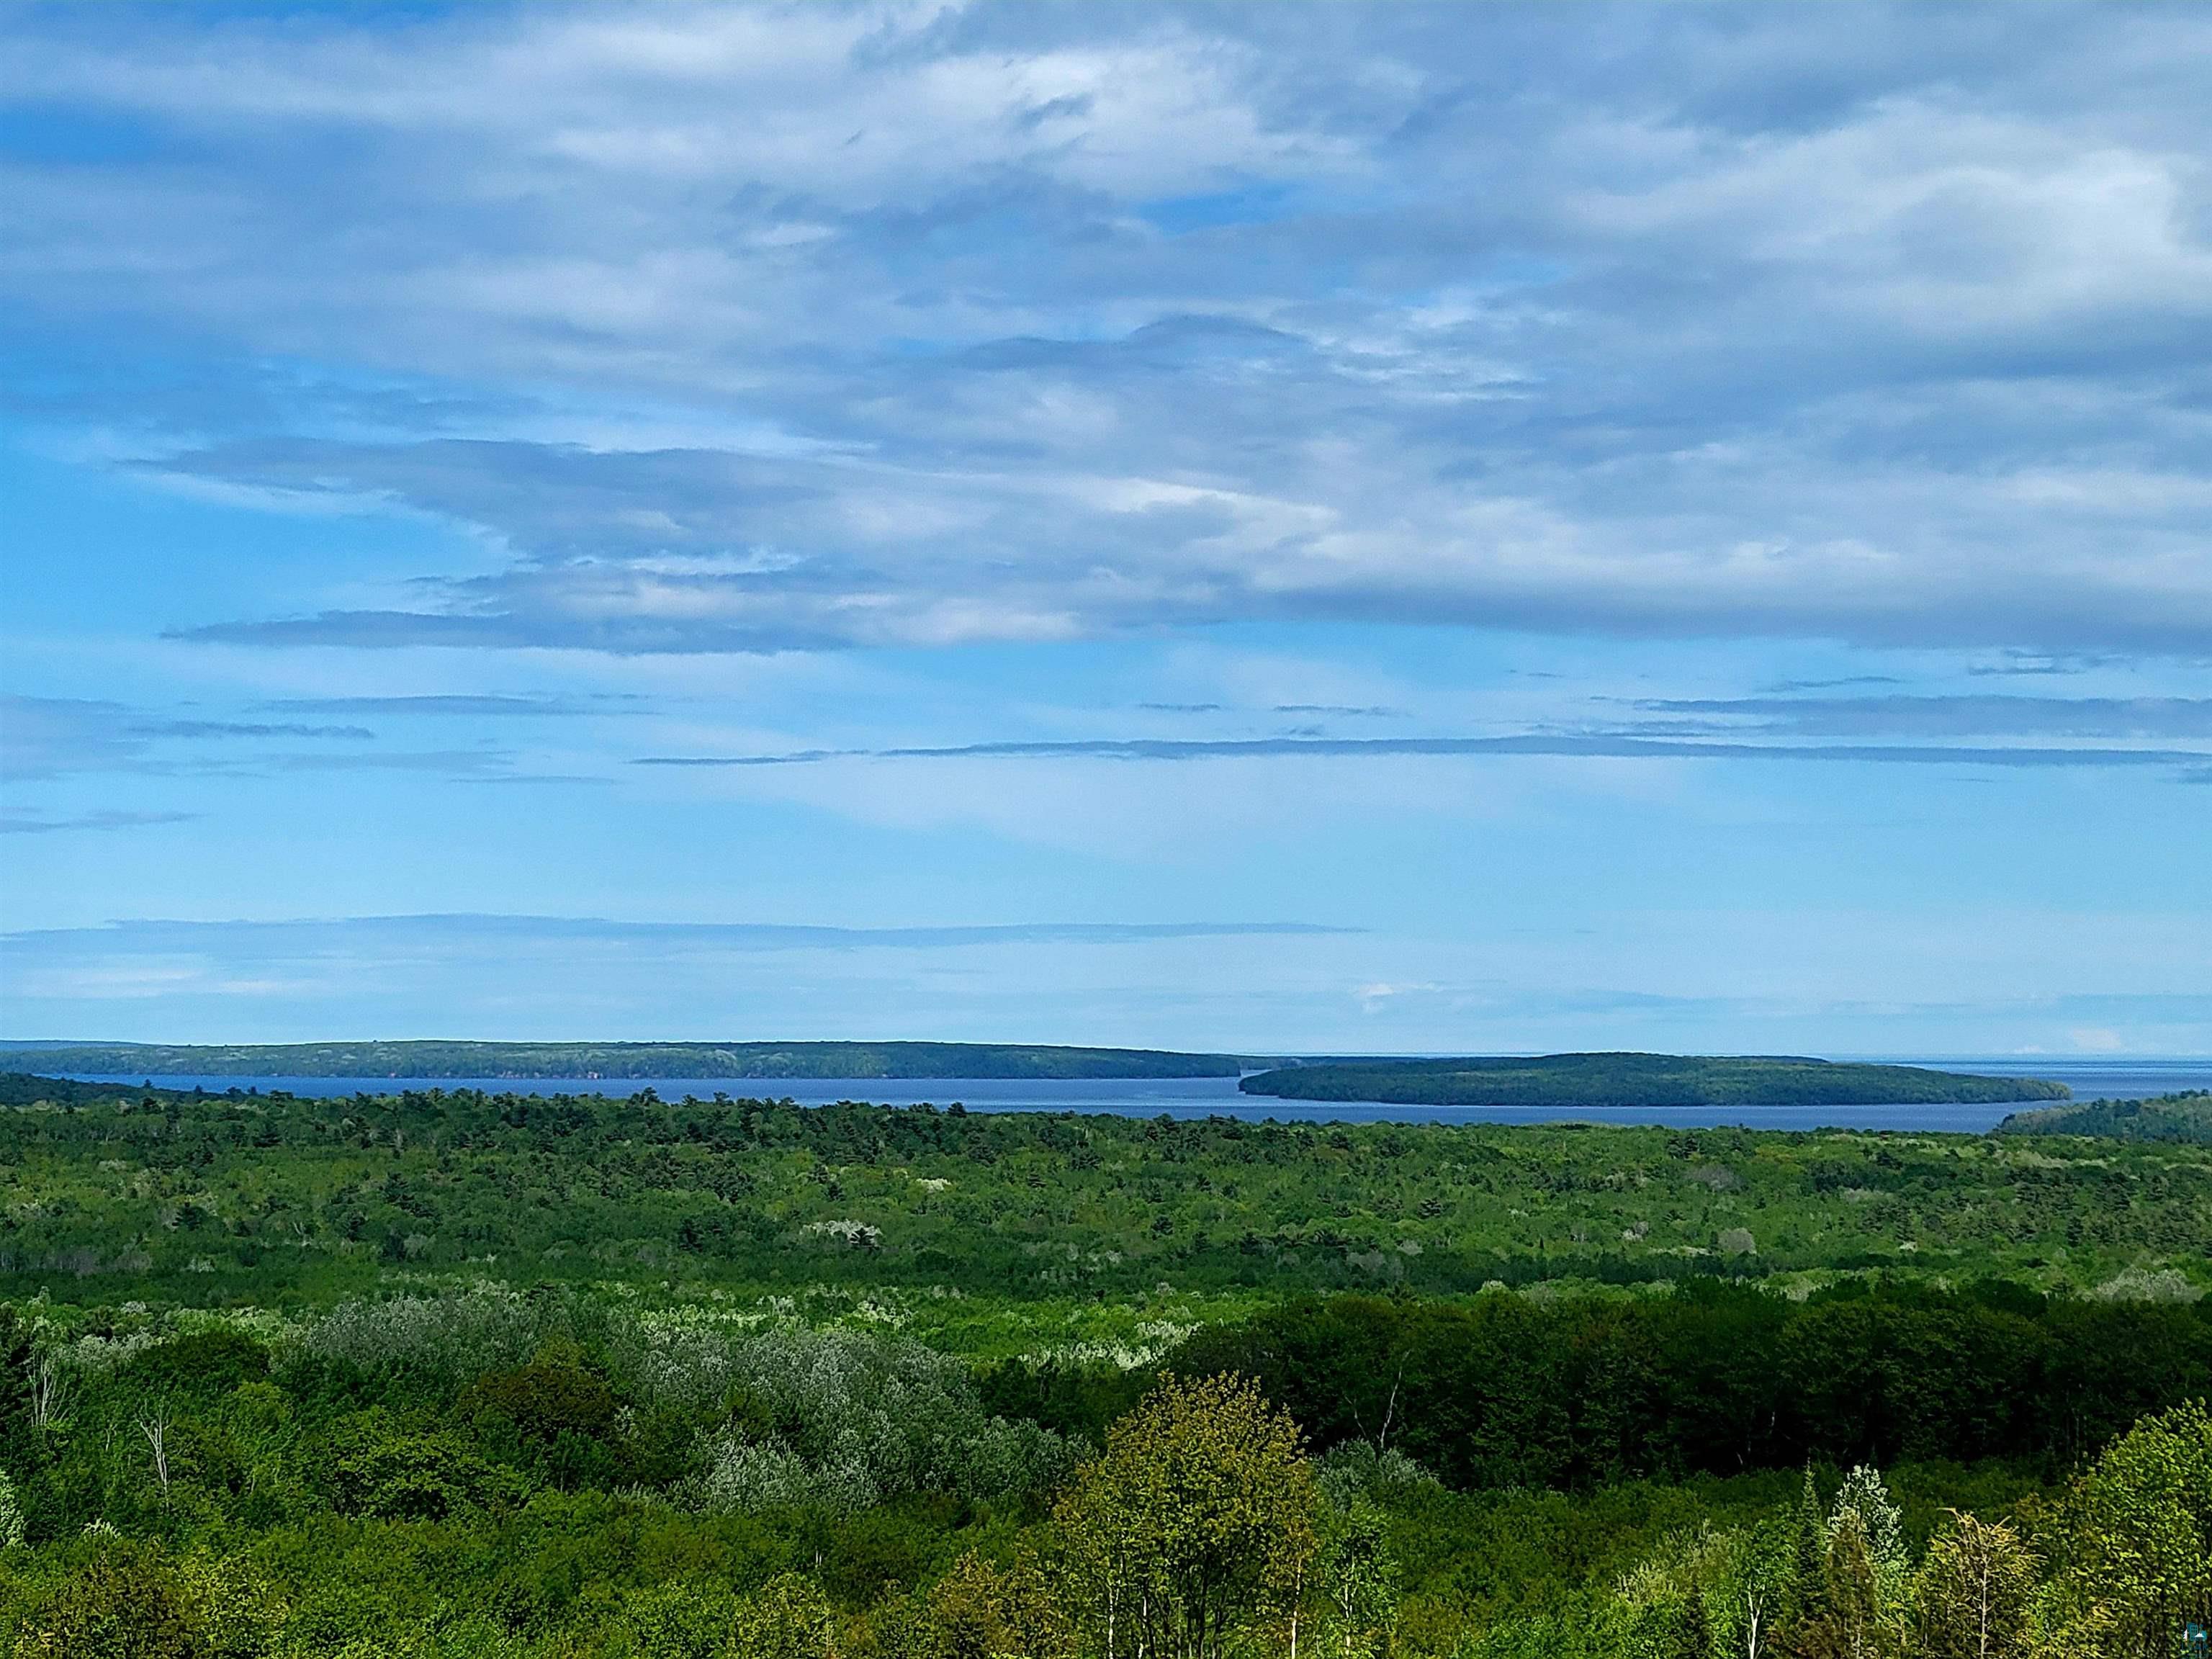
(1972, 1597)
(1195, 1523)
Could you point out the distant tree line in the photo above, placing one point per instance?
(2178, 1117)
(239, 1193)
(1574, 1081)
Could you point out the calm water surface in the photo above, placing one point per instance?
(1212, 1097)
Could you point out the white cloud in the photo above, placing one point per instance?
(1014, 325)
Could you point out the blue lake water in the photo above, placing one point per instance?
(1212, 1097)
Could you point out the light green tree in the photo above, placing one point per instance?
(685, 1618)
(1196, 1524)
(2139, 1538)
(122, 1601)
(1676, 1601)
(1748, 1599)
(1358, 1581)
(1972, 1597)
(234, 1610)
(1865, 1499)
(980, 1610)
(787, 1618)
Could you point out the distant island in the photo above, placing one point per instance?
(618, 1062)
(2183, 1117)
(1631, 1079)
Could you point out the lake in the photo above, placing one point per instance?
(2132, 1079)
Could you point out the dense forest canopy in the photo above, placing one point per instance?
(130, 1193)
(457, 1375)
(631, 1061)
(1628, 1079)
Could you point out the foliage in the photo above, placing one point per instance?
(272, 1199)
(2138, 1540)
(980, 1610)
(1196, 1524)
(787, 1618)
(1358, 1581)
(943, 1432)
(1509, 1389)
(1625, 1079)
(1974, 1593)
(846, 1420)
(2183, 1117)
(634, 1060)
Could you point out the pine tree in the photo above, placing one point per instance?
(11, 1513)
(1806, 1598)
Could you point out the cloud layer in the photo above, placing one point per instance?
(721, 330)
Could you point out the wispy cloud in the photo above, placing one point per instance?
(2165, 718)
(458, 928)
(1598, 745)
(51, 737)
(24, 824)
(458, 705)
(249, 729)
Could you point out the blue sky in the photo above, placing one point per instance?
(1378, 528)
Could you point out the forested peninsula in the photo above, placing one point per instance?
(2168, 1117)
(626, 1061)
(1631, 1079)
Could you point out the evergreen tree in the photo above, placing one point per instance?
(1805, 1599)
(1852, 1623)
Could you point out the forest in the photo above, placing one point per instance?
(1629, 1079)
(450, 1373)
(2166, 1117)
(630, 1061)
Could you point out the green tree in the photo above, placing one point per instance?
(1359, 1582)
(1195, 1523)
(121, 1601)
(685, 1618)
(1865, 1499)
(1749, 1597)
(980, 1610)
(231, 1608)
(11, 1513)
(1803, 1599)
(2139, 1537)
(787, 1618)
(1852, 1622)
(1971, 1598)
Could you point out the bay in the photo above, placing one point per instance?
(1198, 1098)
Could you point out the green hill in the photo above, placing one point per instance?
(1629, 1079)
(640, 1061)
(2168, 1117)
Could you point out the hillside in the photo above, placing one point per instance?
(1629, 1079)
(637, 1060)
(2183, 1117)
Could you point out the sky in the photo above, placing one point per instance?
(1295, 529)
